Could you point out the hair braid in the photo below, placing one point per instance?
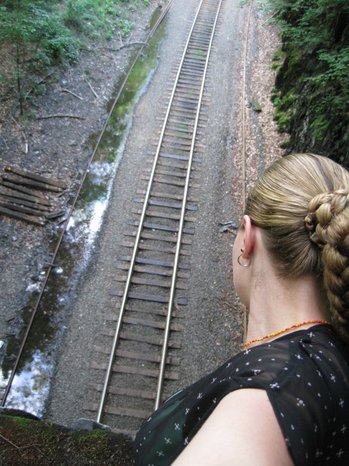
(327, 222)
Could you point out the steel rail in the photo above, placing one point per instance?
(181, 224)
(140, 227)
(65, 226)
(243, 138)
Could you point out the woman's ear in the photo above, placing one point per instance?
(249, 237)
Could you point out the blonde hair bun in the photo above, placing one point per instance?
(320, 220)
(301, 205)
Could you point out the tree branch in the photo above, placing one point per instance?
(90, 86)
(72, 93)
(26, 145)
(9, 442)
(59, 115)
(125, 45)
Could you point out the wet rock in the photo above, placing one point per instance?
(89, 425)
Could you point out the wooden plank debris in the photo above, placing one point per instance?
(21, 189)
(29, 182)
(30, 197)
(19, 208)
(28, 218)
(33, 176)
(25, 197)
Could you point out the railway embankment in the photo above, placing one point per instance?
(29, 441)
(312, 87)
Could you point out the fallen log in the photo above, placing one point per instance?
(59, 115)
(31, 205)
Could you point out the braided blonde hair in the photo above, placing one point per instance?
(302, 205)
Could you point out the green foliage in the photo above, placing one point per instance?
(284, 109)
(74, 16)
(125, 26)
(312, 25)
(278, 55)
(34, 25)
(335, 64)
(278, 59)
(22, 421)
(97, 18)
(319, 127)
(43, 33)
(38, 39)
(313, 81)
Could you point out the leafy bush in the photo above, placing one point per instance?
(96, 18)
(38, 39)
(44, 33)
(312, 86)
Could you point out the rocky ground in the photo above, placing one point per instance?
(61, 148)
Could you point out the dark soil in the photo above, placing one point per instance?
(25, 441)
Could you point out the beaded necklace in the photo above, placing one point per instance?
(280, 332)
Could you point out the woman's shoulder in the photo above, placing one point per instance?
(223, 437)
(315, 350)
(264, 362)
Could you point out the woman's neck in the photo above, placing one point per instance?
(277, 304)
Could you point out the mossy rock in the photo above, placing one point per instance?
(256, 106)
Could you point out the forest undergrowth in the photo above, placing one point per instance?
(37, 35)
(311, 94)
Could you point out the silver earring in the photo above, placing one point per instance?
(239, 260)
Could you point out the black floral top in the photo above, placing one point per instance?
(306, 377)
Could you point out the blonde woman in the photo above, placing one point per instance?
(284, 400)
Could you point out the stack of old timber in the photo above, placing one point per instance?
(30, 197)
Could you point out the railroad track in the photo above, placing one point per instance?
(153, 273)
